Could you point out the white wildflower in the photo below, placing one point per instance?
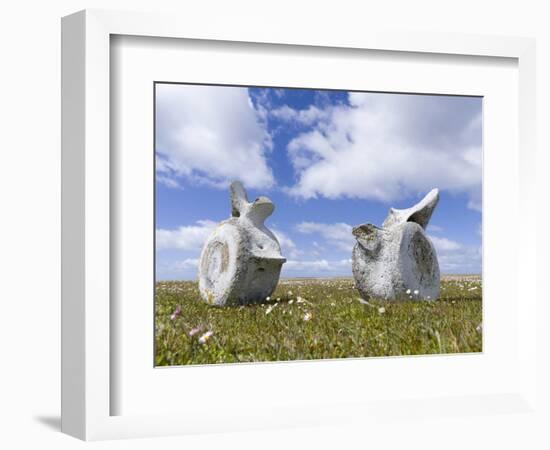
(194, 331)
(381, 310)
(268, 310)
(204, 338)
(307, 316)
(176, 313)
(291, 302)
(416, 292)
(408, 291)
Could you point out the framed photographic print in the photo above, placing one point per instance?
(303, 224)
(308, 280)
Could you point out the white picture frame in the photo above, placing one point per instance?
(86, 245)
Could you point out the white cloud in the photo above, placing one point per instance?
(288, 247)
(167, 180)
(434, 228)
(210, 134)
(443, 244)
(184, 269)
(190, 237)
(189, 263)
(336, 234)
(467, 259)
(317, 267)
(386, 147)
(455, 257)
(302, 116)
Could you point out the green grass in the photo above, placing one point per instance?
(339, 326)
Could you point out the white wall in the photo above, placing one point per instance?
(30, 187)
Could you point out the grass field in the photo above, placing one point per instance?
(315, 319)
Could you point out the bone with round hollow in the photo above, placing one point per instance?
(398, 261)
(241, 261)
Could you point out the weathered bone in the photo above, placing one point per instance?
(398, 261)
(241, 261)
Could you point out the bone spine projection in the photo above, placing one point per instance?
(398, 261)
(241, 261)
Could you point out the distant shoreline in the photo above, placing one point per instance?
(444, 277)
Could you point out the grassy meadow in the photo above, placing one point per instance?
(314, 319)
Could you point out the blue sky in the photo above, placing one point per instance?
(329, 160)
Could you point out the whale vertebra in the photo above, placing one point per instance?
(241, 261)
(398, 261)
